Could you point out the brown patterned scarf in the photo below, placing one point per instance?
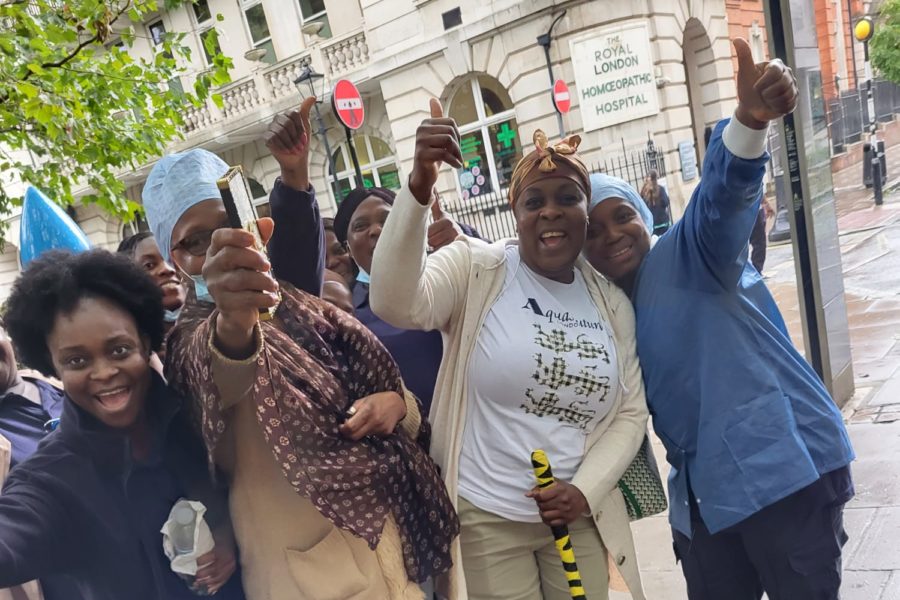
(316, 361)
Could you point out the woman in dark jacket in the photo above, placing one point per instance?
(358, 225)
(91, 501)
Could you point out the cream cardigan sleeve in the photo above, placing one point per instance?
(606, 460)
(409, 289)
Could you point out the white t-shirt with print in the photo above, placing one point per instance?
(542, 375)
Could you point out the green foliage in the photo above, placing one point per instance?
(885, 45)
(76, 108)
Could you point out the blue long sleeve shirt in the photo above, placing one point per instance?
(744, 418)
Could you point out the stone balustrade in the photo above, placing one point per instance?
(346, 54)
(240, 98)
(281, 78)
(338, 57)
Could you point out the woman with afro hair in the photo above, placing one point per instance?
(91, 501)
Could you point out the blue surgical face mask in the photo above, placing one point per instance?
(201, 290)
(362, 277)
(171, 316)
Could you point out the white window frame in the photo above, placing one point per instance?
(247, 5)
(350, 171)
(304, 19)
(201, 28)
(153, 43)
(482, 125)
(155, 47)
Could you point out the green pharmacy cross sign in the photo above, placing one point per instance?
(506, 135)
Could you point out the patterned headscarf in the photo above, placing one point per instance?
(549, 160)
(604, 187)
(176, 183)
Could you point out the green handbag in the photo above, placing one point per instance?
(641, 485)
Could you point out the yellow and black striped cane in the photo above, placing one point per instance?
(544, 476)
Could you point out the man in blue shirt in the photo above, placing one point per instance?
(758, 449)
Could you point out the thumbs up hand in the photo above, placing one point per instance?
(766, 90)
(288, 140)
(437, 141)
(444, 230)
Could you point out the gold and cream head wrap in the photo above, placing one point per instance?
(550, 160)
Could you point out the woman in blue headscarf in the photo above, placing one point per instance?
(758, 450)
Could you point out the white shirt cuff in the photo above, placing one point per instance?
(744, 142)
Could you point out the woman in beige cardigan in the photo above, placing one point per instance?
(539, 352)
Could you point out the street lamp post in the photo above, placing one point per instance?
(309, 77)
(545, 40)
(863, 31)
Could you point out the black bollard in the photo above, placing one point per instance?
(867, 164)
(877, 181)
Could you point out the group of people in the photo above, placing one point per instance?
(373, 438)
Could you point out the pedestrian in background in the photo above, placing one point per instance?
(657, 199)
(539, 353)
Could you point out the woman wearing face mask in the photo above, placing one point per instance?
(332, 495)
(91, 501)
(758, 450)
(539, 354)
(142, 249)
(358, 225)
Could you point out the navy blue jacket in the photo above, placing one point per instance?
(417, 353)
(80, 506)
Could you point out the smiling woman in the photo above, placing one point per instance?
(124, 449)
(539, 352)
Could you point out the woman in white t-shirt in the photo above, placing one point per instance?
(539, 352)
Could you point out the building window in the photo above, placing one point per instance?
(258, 28)
(201, 11)
(489, 136)
(204, 18)
(376, 161)
(313, 11)
(157, 31)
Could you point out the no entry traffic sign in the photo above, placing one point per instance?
(561, 98)
(348, 104)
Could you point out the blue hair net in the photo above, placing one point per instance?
(176, 183)
(604, 187)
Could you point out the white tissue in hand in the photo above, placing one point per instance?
(186, 564)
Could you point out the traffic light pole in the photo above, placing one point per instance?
(877, 176)
(863, 31)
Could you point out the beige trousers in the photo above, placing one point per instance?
(508, 560)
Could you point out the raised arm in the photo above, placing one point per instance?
(408, 288)
(31, 523)
(297, 246)
(723, 209)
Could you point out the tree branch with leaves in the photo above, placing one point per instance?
(77, 108)
(885, 44)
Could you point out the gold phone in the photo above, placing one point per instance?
(242, 214)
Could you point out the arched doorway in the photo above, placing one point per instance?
(701, 80)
